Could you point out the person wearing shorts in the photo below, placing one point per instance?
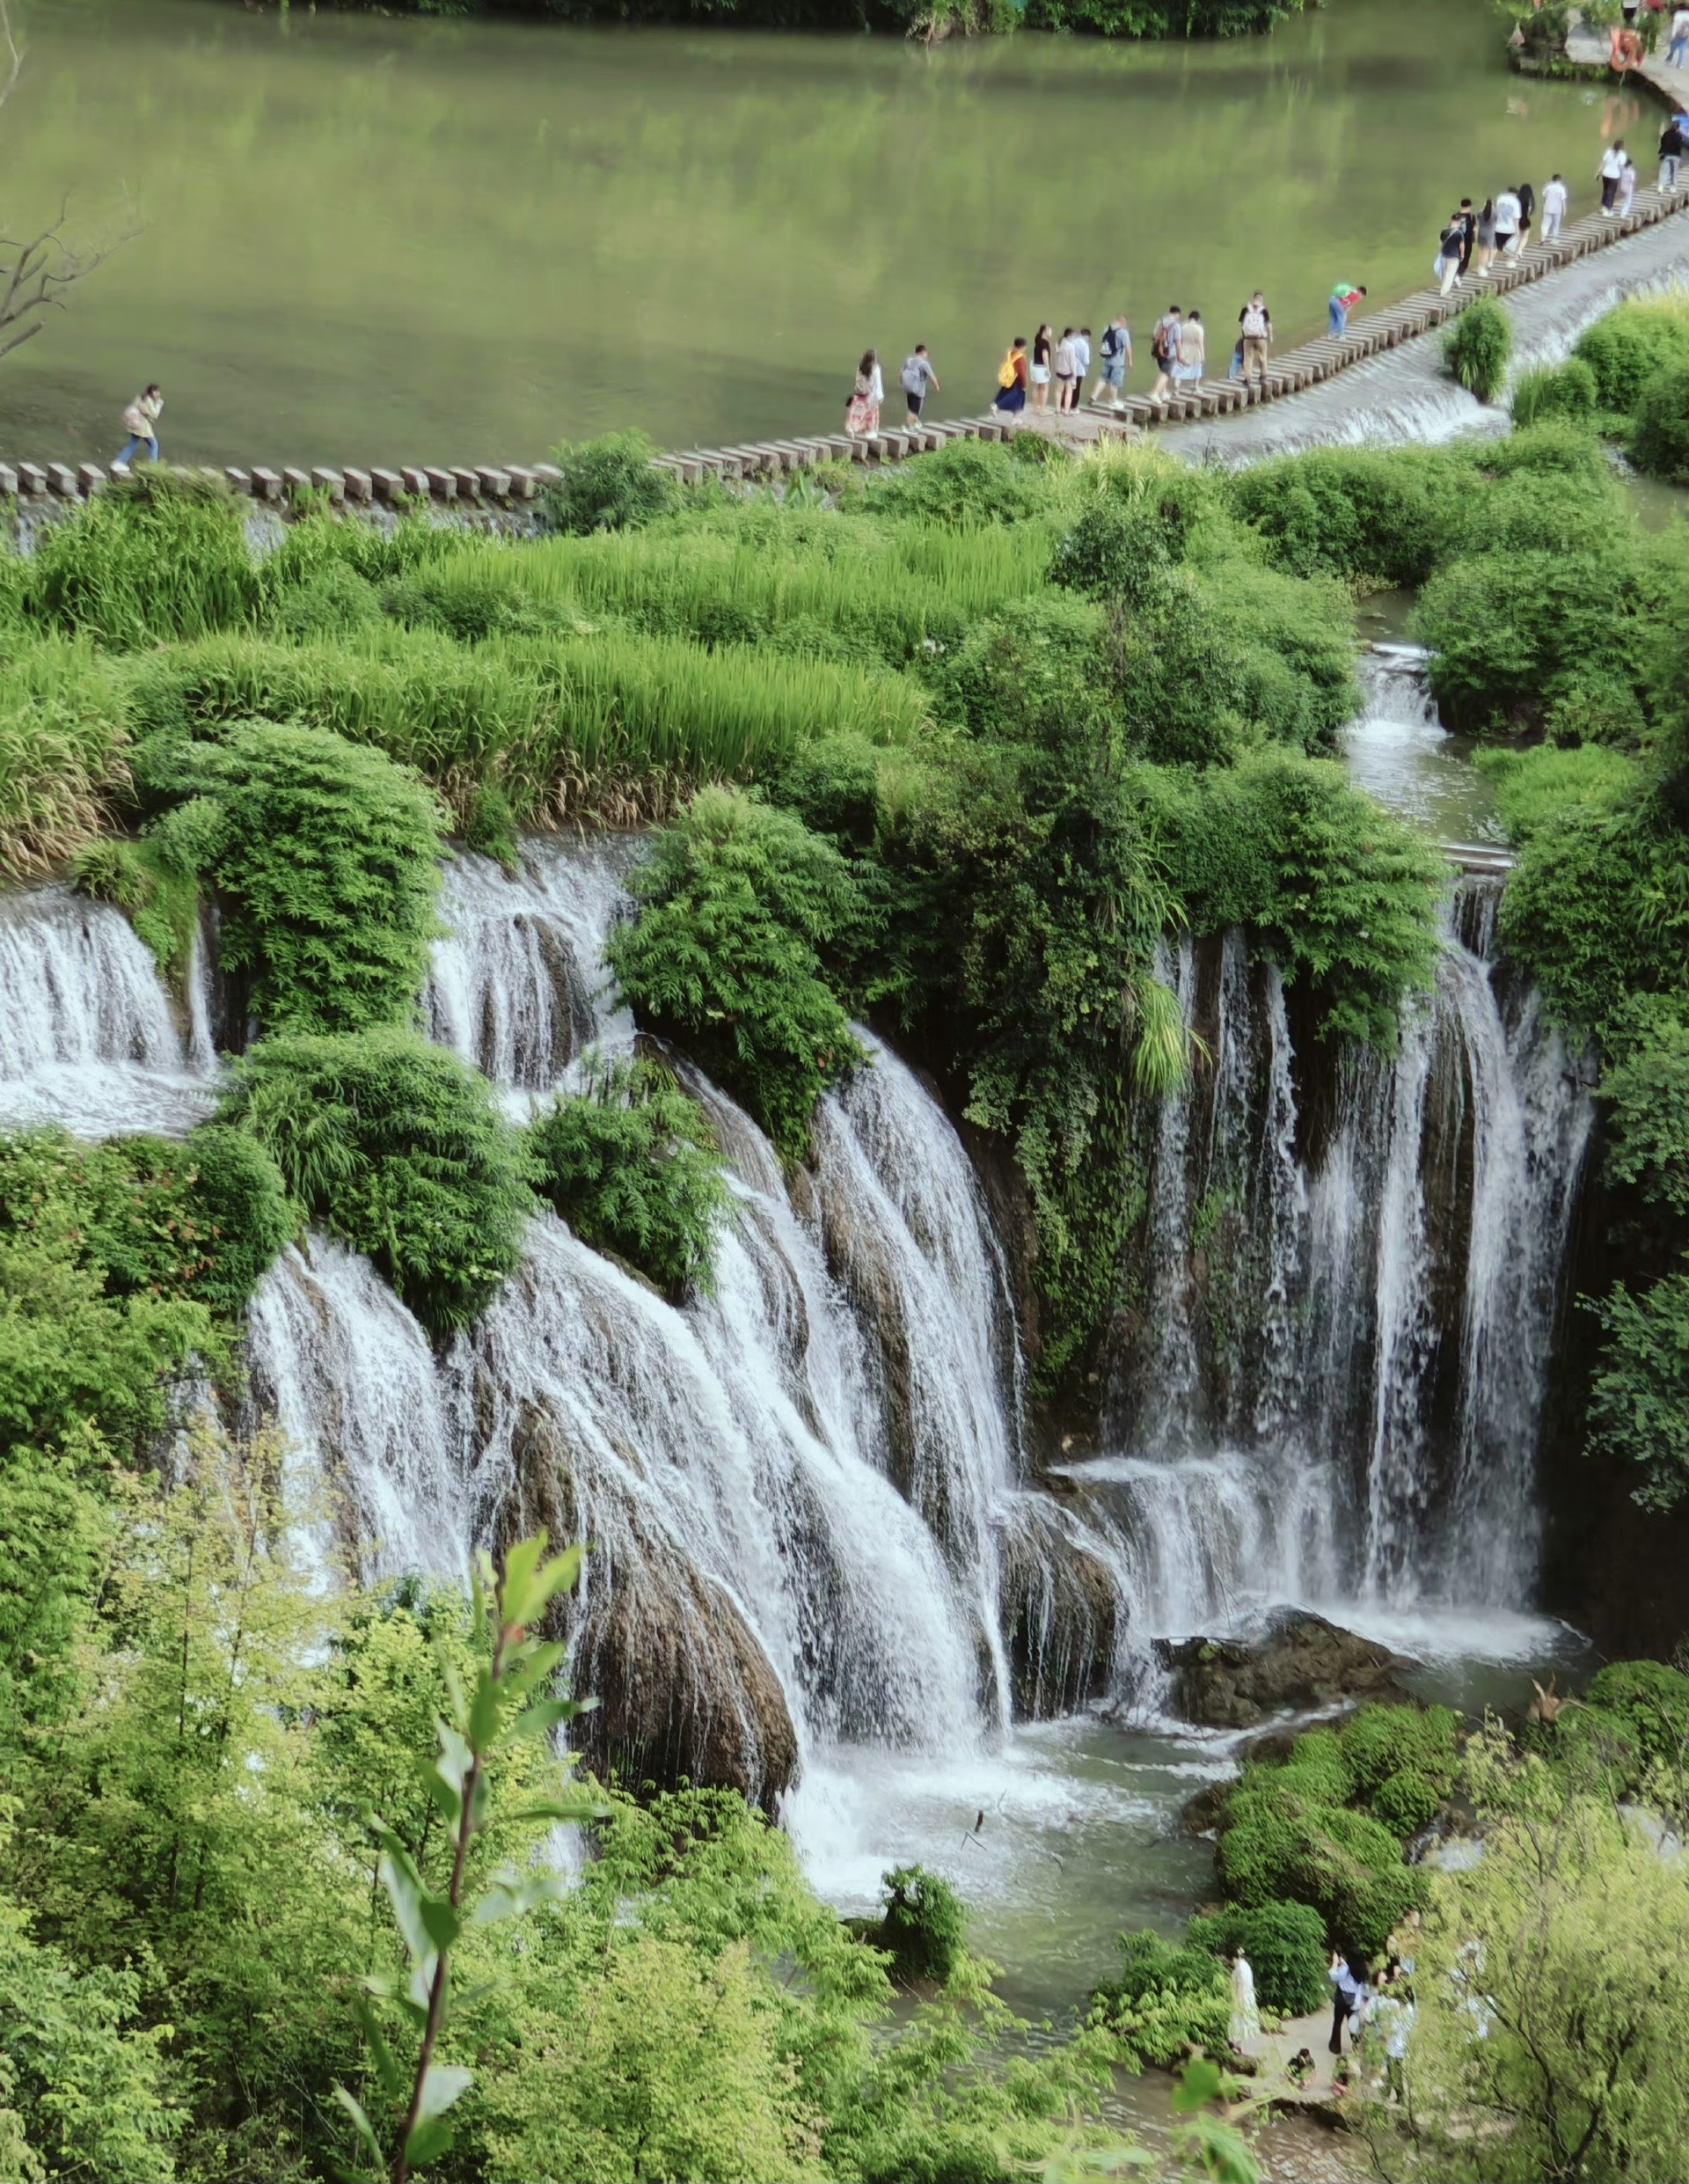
(1114, 354)
(1192, 350)
(1043, 345)
(917, 376)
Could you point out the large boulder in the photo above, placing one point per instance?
(1292, 1660)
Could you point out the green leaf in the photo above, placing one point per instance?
(363, 2126)
(529, 1584)
(510, 1893)
(578, 1807)
(387, 2068)
(484, 1710)
(408, 1896)
(1197, 2084)
(428, 2142)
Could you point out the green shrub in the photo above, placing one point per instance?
(1508, 632)
(201, 1219)
(62, 729)
(923, 1926)
(1477, 346)
(1166, 2000)
(736, 904)
(1286, 1946)
(1405, 1801)
(631, 1165)
(1652, 1700)
(328, 854)
(966, 483)
(1647, 1094)
(1639, 1400)
(1381, 1740)
(1121, 551)
(396, 1148)
(161, 900)
(1560, 391)
(1659, 440)
(1631, 345)
(608, 484)
(332, 602)
(1356, 512)
(1316, 1769)
(160, 555)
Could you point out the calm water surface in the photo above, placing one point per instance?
(373, 240)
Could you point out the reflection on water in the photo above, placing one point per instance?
(1398, 751)
(394, 240)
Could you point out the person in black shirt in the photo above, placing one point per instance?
(1468, 220)
(1527, 198)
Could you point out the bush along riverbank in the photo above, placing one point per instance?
(957, 748)
(918, 19)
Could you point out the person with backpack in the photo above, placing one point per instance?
(141, 423)
(1115, 356)
(1447, 268)
(917, 376)
(1339, 303)
(1011, 375)
(1256, 332)
(1164, 347)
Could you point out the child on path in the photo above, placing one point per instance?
(1339, 303)
(917, 376)
(1012, 376)
(1554, 207)
(141, 423)
(1116, 356)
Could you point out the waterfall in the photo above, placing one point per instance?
(89, 1037)
(1368, 1277)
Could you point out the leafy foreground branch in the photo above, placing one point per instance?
(509, 1701)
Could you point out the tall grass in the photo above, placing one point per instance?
(62, 738)
(164, 556)
(883, 589)
(563, 727)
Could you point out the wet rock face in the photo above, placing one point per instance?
(1059, 1611)
(685, 1691)
(1295, 1660)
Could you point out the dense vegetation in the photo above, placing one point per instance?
(921, 18)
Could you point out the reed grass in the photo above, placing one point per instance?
(558, 725)
(63, 732)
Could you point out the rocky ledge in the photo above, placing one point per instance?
(1292, 1660)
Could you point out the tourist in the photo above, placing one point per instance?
(1043, 344)
(1391, 2018)
(1301, 2067)
(862, 410)
(1507, 224)
(1468, 234)
(141, 423)
(1193, 350)
(1256, 332)
(1012, 377)
(1610, 171)
(1114, 354)
(1339, 303)
(1671, 152)
(1164, 347)
(1626, 187)
(1447, 268)
(1245, 2018)
(1081, 365)
(1676, 51)
(918, 376)
(1486, 238)
(1345, 1998)
(1527, 198)
(1554, 207)
(1064, 370)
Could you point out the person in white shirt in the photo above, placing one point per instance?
(1506, 224)
(1554, 206)
(1676, 51)
(1081, 365)
(1611, 169)
(1626, 185)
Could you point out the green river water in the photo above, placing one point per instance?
(378, 240)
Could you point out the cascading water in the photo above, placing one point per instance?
(1369, 1289)
(89, 1037)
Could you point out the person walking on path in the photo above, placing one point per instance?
(1345, 1998)
(1339, 303)
(1193, 350)
(1554, 207)
(1245, 2018)
(1507, 224)
(1671, 152)
(1044, 343)
(1610, 171)
(1164, 347)
(1676, 51)
(917, 376)
(1626, 187)
(1255, 327)
(141, 423)
(1064, 371)
(1527, 198)
(1486, 238)
(1011, 379)
(862, 410)
(1448, 255)
(1081, 365)
(1468, 234)
(1114, 354)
